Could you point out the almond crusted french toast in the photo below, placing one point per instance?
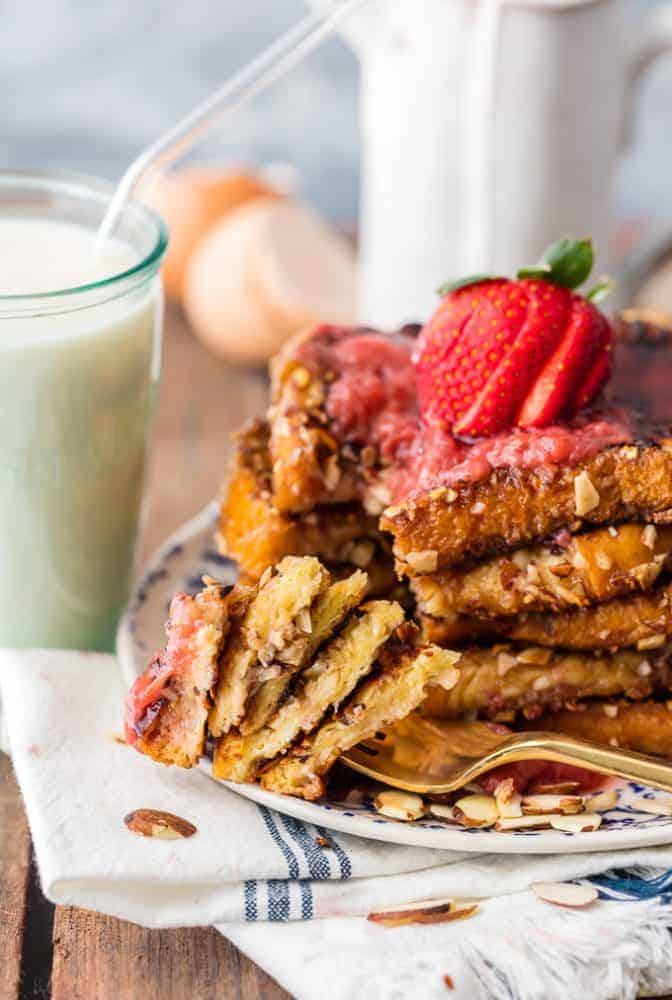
(505, 681)
(257, 670)
(571, 571)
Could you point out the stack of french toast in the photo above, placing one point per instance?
(471, 520)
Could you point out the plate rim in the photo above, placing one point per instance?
(359, 824)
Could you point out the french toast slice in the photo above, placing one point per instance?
(257, 534)
(516, 507)
(641, 620)
(503, 681)
(270, 638)
(326, 682)
(327, 615)
(644, 726)
(387, 696)
(586, 569)
(311, 466)
(166, 709)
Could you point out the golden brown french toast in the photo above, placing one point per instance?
(585, 569)
(326, 682)
(167, 708)
(502, 681)
(382, 699)
(515, 507)
(255, 533)
(644, 726)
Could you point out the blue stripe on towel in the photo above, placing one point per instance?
(288, 853)
(250, 891)
(318, 863)
(343, 859)
(278, 889)
(628, 885)
(278, 899)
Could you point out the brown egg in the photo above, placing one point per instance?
(262, 273)
(191, 201)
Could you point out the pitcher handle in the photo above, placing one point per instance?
(651, 42)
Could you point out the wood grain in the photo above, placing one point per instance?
(202, 402)
(14, 869)
(100, 958)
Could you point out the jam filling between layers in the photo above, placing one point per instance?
(372, 401)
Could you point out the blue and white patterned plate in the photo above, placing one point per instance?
(180, 564)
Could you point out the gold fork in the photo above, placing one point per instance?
(431, 756)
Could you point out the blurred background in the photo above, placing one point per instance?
(85, 85)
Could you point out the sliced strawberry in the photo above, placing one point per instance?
(598, 374)
(498, 401)
(439, 388)
(567, 368)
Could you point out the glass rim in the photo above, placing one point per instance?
(91, 185)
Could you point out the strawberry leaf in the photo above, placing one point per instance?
(570, 261)
(601, 290)
(452, 286)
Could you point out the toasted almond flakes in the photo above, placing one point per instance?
(578, 823)
(586, 497)
(399, 805)
(158, 824)
(476, 810)
(565, 893)
(602, 801)
(423, 562)
(611, 711)
(505, 824)
(649, 536)
(539, 805)
(429, 912)
(651, 642)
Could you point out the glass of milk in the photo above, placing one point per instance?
(80, 354)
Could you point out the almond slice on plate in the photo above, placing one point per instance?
(565, 893)
(476, 810)
(428, 911)
(442, 811)
(399, 805)
(558, 788)
(535, 805)
(523, 823)
(602, 802)
(508, 799)
(577, 823)
(660, 806)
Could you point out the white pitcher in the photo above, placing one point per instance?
(489, 129)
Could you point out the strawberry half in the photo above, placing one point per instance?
(499, 352)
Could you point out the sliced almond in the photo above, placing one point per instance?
(423, 562)
(476, 810)
(651, 642)
(556, 788)
(577, 823)
(536, 805)
(523, 823)
(431, 911)
(508, 800)
(660, 806)
(399, 805)
(442, 811)
(535, 654)
(603, 801)
(161, 825)
(649, 536)
(586, 497)
(565, 893)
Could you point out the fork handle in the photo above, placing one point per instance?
(626, 764)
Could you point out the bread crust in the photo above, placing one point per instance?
(516, 507)
(644, 726)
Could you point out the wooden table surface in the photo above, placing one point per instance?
(69, 954)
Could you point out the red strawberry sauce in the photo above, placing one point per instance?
(145, 697)
(372, 400)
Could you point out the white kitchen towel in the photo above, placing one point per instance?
(296, 907)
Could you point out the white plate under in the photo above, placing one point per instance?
(179, 565)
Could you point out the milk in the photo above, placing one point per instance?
(78, 379)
